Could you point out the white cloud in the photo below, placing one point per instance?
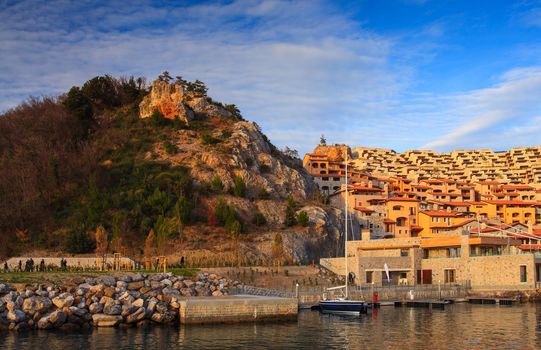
(482, 117)
(296, 68)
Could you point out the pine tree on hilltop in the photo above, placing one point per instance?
(322, 140)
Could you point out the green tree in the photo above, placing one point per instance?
(102, 91)
(78, 242)
(165, 76)
(158, 202)
(179, 81)
(165, 228)
(303, 219)
(182, 212)
(227, 215)
(239, 189)
(290, 212)
(81, 106)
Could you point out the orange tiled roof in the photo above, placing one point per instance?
(442, 213)
(366, 188)
(364, 210)
(401, 199)
(460, 224)
(506, 202)
(488, 182)
(517, 187)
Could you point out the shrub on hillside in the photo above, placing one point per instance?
(259, 219)
(170, 148)
(217, 184)
(303, 219)
(290, 219)
(239, 189)
(227, 215)
(263, 194)
(208, 139)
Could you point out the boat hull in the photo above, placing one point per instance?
(347, 307)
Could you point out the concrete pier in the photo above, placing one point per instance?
(238, 308)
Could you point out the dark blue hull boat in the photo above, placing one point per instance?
(339, 306)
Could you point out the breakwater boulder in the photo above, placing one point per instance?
(108, 301)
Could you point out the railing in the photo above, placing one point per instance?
(312, 294)
(251, 290)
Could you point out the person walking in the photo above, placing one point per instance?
(42, 265)
(20, 266)
(6, 267)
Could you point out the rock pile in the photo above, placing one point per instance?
(109, 301)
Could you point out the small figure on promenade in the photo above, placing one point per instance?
(31, 264)
(6, 267)
(20, 266)
(42, 265)
(182, 262)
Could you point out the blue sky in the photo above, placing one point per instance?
(404, 74)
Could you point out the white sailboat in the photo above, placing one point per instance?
(344, 305)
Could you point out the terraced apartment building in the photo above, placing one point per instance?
(421, 217)
(516, 166)
(426, 194)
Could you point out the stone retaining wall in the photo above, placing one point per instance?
(236, 309)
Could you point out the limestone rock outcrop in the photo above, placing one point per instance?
(168, 99)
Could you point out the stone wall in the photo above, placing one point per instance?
(80, 262)
(498, 272)
(237, 309)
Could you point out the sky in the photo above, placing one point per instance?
(403, 74)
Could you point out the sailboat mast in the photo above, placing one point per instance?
(346, 226)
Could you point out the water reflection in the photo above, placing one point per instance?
(460, 326)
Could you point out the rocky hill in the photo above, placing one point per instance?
(162, 169)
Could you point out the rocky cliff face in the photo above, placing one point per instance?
(168, 99)
(239, 148)
(244, 152)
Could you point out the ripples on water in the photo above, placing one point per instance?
(460, 326)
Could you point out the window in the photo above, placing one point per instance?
(450, 276)
(523, 274)
(369, 276)
(404, 252)
(325, 178)
(336, 179)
